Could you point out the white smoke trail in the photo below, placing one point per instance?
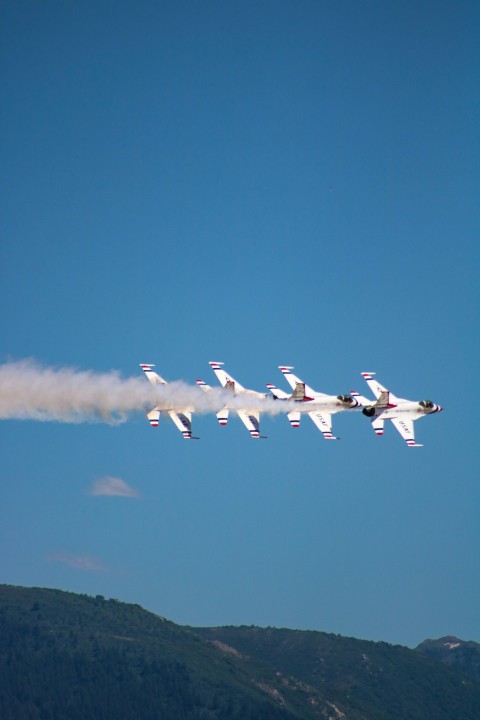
(29, 391)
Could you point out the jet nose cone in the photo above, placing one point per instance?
(439, 408)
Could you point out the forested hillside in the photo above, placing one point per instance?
(73, 656)
(460, 654)
(68, 656)
(379, 679)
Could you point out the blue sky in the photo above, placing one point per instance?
(259, 184)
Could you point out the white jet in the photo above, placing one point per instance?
(319, 406)
(182, 419)
(248, 414)
(401, 412)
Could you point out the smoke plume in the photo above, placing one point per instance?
(29, 391)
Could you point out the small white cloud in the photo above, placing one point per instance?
(113, 486)
(79, 562)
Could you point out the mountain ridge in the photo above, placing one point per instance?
(69, 655)
(464, 655)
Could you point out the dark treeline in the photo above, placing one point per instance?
(72, 656)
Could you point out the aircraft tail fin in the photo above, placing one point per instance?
(299, 393)
(383, 400)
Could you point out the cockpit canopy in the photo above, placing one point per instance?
(345, 398)
(426, 404)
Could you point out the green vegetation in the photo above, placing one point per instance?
(459, 654)
(377, 679)
(72, 656)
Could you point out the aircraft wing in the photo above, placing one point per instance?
(405, 428)
(361, 399)
(251, 420)
(304, 392)
(277, 393)
(324, 423)
(154, 377)
(154, 415)
(183, 421)
(224, 378)
(381, 393)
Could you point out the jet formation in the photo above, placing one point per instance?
(302, 400)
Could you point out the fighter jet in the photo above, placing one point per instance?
(401, 412)
(250, 416)
(182, 420)
(319, 406)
